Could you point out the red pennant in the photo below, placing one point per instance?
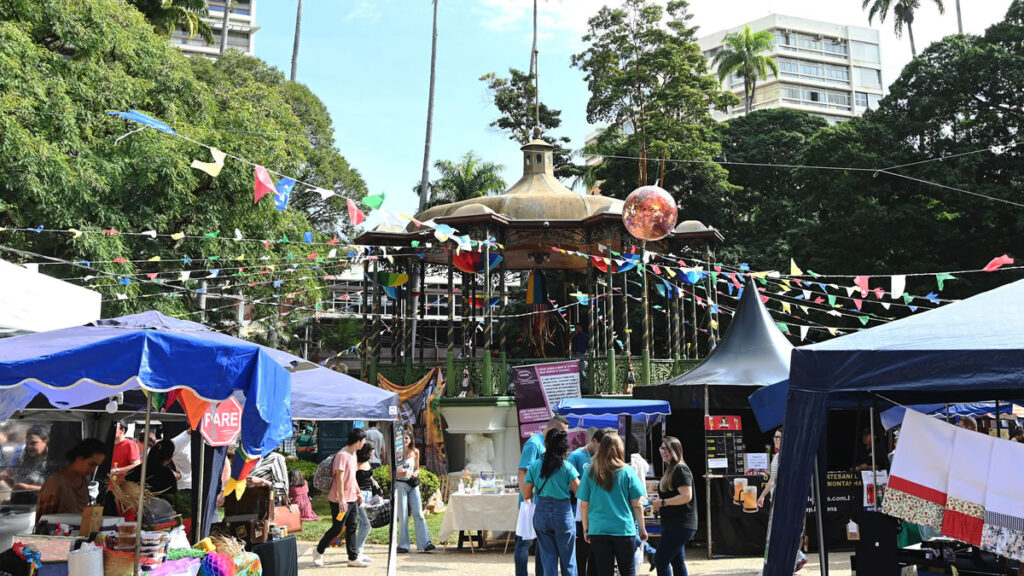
(266, 244)
(120, 260)
(879, 292)
(819, 300)
(997, 262)
(152, 275)
(718, 268)
(862, 283)
(263, 184)
(354, 214)
(797, 281)
(735, 282)
(333, 241)
(656, 270)
(764, 298)
(858, 303)
(264, 272)
(312, 256)
(111, 232)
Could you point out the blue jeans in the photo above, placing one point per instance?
(670, 559)
(556, 536)
(521, 557)
(364, 525)
(409, 499)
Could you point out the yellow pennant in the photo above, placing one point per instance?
(832, 331)
(794, 270)
(805, 309)
(154, 259)
(785, 307)
(177, 236)
(77, 233)
(211, 168)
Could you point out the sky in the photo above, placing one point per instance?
(369, 62)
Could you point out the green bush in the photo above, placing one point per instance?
(428, 481)
(308, 469)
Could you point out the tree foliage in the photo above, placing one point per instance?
(514, 97)
(166, 15)
(471, 177)
(743, 53)
(902, 15)
(63, 65)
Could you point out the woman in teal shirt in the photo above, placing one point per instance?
(552, 519)
(610, 508)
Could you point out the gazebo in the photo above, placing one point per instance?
(538, 224)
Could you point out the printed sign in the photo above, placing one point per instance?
(757, 464)
(539, 387)
(723, 437)
(222, 424)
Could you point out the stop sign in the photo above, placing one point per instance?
(222, 424)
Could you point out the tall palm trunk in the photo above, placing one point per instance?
(910, 33)
(224, 27)
(534, 57)
(748, 97)
(959, 20)
(425, 172)
(295, 45)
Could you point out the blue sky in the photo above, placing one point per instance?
(368, 60)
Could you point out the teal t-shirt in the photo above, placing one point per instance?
(533, 450)
(611, 512)
(555, 486)
(580, 459)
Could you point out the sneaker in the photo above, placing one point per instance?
(358, 563)
(366, 559)
(430, 547)
(800, 564)
(318, 558)
(403, 550)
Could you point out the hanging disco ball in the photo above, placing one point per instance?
(649, 213)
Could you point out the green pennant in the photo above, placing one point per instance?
(812, 273)
(415, 243)
(214, 258)
(762, 280)
(319, 260)
(907, 298)
(714, 278)
(211, 234)
(290, 256)
(832, 300)
(782, 326)
(284, 239)
(942, 277)
(374, 201)
(640, 268)
(863, 320)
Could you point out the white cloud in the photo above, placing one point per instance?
(366, 11)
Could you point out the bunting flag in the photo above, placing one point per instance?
(283, 192)
(390, 279)
(997, 262)
(194, 407)
(940, 278)
(862, 283)
(354, 214)
(803, 332)
(211, 168)
(899, 285)
(473, 262)
(136, 116)
(324, 193)
(263, 184)
(794, 270)
(374, 202)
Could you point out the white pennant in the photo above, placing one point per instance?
(150, 233)
(899, 285)
(803, 332)
(885, 305)
(185, 275)
(324, 194)
(238, 235)
(850, 289)
(332, 253)
(807, 294)
(121, 296)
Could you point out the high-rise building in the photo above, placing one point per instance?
(830, 70)
(241, 30)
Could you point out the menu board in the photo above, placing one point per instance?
(723, 437)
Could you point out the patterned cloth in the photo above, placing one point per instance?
(1003, 530)
(968, 480)
(920, 471)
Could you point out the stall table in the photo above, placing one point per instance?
(279, 557)
(469, 512)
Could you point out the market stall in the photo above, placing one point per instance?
(967, 351)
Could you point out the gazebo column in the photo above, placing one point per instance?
(472, 317)
(450, 354)
(421, 306)
(409, 322)
(693, 321)
(591, 305)
(466, 346)
(672, 328)
(713, 294)
(626, 331)
(375, 326)
(364, 304)
(502, 330)
(645, 378)
(679, 325)
(610, 313)
(487, 388)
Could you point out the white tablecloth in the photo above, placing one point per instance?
(480, 512)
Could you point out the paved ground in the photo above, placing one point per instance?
(496, 563)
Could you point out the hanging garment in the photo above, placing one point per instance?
(920, 471)
(1003, 530)
(968, 479)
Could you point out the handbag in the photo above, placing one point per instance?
(288, 516)
(378, 512)
(412, 482)
(524, 524)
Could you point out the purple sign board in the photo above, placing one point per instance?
(539, 387)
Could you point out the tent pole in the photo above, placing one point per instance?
(819, 519)
(142, 485)
(707, 475)
(997, 418)
(197, 530)
(874, 462)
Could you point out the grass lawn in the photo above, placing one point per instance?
(312, 531)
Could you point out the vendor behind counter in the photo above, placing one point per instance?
(67, 491)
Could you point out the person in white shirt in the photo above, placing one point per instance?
(636, 460)
(182, 461)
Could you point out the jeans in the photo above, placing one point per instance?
(521, 556)
(556, 536)
(609, 550)
(409, 499)
(349, 523)
(671, 555)
(364, 525)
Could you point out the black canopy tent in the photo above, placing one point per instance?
(753, 353)
(966, 351)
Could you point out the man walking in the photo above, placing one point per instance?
(580, 459)
(376, 439)
(533, 450)
(345, 499)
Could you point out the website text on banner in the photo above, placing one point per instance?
(538, 388)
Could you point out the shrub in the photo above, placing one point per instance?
(429, 482)
(308, 469)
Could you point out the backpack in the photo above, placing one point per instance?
(324, 477)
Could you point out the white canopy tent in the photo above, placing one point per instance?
(34, 302)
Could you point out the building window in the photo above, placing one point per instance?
(873, 100)
(868, 77)
(836, 46)
(816, 97)
(861, 99)
(865, 52)
(837, 74)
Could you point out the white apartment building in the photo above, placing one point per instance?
(830, 70)
(241, 30)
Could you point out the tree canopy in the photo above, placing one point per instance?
(471, 177)
(63, 65)
(743, 53)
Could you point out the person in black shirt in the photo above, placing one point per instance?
(161, 478)
(678, 515)
(862, 457)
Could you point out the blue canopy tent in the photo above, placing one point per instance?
(893, 417)
(967, 351)
(605, 412)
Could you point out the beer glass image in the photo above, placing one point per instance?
(738, 484)
(750, 499)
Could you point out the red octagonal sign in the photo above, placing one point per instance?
(221, 425)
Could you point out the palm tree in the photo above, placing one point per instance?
(959, 20)
(424, 187)
(903, 15)
(743, 53)
(470, 178)
(166, 15)
(295, 44)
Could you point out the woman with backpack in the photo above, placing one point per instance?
(678, 516)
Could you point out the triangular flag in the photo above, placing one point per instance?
(238, 235)
(332, 241)
(879, 292)
(150, 233)
(794, 270)
(283, 192)
(864, 320)
(211, 168)
(194, 407)
(177, 236)
(354, 214)
(374, 202)
(324, 194)
(997, 262)
(803, 332)
(782, 326)
(899, 284)
(886, 305)
(785, 307)
(940, 278)
(858, 303)
(862, 283)
(832, 331)
(263, 184)
(831, 300)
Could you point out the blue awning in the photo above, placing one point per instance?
(604, 412)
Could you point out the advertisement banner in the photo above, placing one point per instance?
(538, 388)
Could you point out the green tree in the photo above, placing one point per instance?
(166, 15)
(61, 167)
(902, 14)
(514, 97)
(743, 53)
(469, 178)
